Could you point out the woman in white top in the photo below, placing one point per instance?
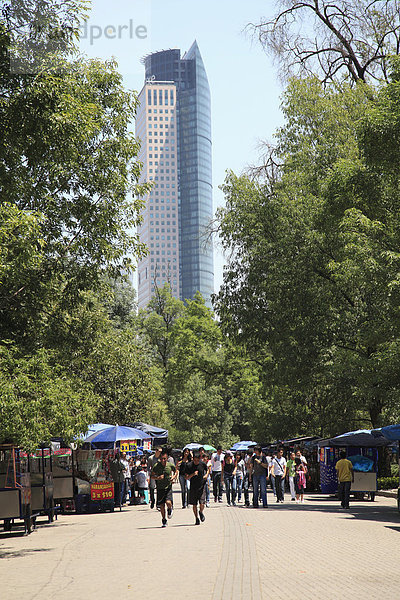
(240, 473)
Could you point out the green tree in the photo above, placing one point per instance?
(70, 200)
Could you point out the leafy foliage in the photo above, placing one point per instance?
(312, 282)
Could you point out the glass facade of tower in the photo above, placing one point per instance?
(193, 118)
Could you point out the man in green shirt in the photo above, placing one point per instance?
(164, 474)
(344, 469)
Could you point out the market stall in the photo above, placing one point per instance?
(126, 439)
(362, 450)
(118, 439)
(158, 435)
(392, 433)
(93, 484)
(15, 487)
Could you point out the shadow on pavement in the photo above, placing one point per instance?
(6, 553)
(394, 528)
(369, 511)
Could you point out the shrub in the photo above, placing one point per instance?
(388, 483)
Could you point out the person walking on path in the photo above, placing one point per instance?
(300, 479)
(259, 468)
(197, 472)
(247, 477)
(345, 474)
(127, 476)
(240, 474)
(278, 472)
(184, 483)
(228, 476)
(206, 460)
(151, 461)
(117, 470)
(142, 482)
(216, 468)
(164, 474)
(290, 473)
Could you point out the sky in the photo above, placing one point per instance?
(244, 83)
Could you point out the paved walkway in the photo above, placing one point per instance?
(314, 551)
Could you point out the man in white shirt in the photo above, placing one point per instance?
(216, 468)
(278, 471)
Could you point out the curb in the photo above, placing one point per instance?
(387, 493)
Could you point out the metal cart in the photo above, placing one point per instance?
(15, 488)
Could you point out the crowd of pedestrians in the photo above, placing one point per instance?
(202, 476)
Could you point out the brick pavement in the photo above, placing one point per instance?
(314, 551)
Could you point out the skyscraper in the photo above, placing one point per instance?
(174, 126)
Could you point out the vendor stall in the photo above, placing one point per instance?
(94, 487)
(362, 450)
(126, 439)
(159, 436)
(392, 433)
(15, 488)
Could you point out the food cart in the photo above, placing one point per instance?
(119, 438)
(42, 484)
(93, 485)
(359, 445)
(15, 488)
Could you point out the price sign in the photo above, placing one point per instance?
(128, 446)
(102, 491)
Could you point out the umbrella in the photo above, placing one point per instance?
(93, 429)
(240, 446)
(193, 446)
(109, 436)
(209, 448)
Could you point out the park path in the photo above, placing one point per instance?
(315, 551)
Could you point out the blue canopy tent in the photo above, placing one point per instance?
(107, 438)
(391, 432)
(159, 436)
(361, 438)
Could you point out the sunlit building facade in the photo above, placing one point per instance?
(174, 126)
